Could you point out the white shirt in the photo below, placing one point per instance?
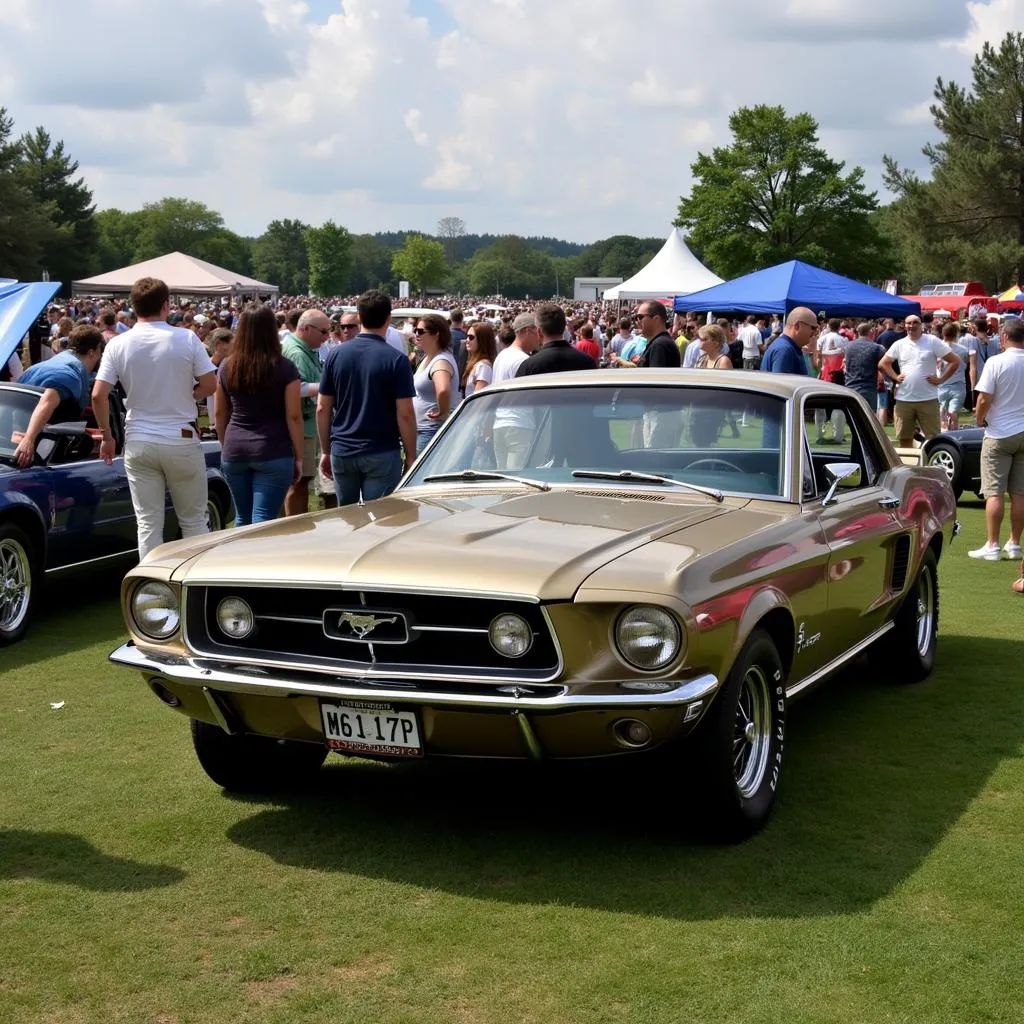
(482, 371)
(918, 360)
(1003, 379)
(751, 338)
(158, 366)
(692, 354)
(397, 340)
(831, 344)
(14, 367)
(505, 365)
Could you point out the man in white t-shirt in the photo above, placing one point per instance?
(917, 383)
(753, 344)
(165, 371)
(513, 428)
(829, 352)
(1000, 410)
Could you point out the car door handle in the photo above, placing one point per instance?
(889, 502)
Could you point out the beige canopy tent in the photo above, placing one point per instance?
(673, 271)
(183, 274)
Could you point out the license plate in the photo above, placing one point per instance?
(371, 728)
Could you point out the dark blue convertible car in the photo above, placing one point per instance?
(69, 508)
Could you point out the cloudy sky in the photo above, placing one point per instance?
(573, 118)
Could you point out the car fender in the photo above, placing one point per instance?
(21, 510)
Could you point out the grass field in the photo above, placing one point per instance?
(888, 887)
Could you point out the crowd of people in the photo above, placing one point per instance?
(337, 398)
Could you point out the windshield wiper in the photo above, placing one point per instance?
(628, 476)
(470, 475)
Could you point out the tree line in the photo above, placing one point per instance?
(772, 194)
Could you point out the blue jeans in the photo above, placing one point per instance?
(424, 435)
(258, 488)
(371, 476)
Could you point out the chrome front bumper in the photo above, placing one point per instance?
(206, 673)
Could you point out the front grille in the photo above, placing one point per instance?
(342, 629)
(900, 562)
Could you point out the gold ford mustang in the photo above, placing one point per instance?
(579, 565)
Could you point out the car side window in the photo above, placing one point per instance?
(834, 431)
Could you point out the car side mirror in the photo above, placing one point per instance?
(840, 474)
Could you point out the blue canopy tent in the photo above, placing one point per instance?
(20, 304)
(784, 287)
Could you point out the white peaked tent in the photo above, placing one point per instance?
(673, 271)
(183, 275)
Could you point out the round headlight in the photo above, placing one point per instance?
(155, 610)
(235, 618)
(510, 635)
(647, 637)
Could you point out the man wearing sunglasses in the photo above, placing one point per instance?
(302, 347)
(786, 353)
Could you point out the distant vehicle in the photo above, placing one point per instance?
(958, 454)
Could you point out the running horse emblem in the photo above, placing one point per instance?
(363, 625)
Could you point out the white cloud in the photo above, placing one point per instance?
(578, 118)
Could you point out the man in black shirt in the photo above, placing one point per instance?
(661, 350)
(555, 354)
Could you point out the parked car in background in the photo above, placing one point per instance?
(672, 560)
(958, 454)
(68, 509)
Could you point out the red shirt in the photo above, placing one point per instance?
(591, 347)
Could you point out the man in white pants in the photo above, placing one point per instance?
(164, 370)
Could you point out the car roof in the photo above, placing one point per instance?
(23, 389)
(782, 385)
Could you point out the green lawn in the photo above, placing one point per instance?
(888, 887)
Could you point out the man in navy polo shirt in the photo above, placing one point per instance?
(365, 408)
(786, 353)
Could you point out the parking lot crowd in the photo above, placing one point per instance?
(337, 396)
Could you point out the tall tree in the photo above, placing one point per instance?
(451, 231)
(774, 195)
(967, 221)
(330, 258)
(420, 262)
(173, 224)
(23, 223)
(371, 264)
(118, 238)
(511, 267)
(279, 256)
(48, 172)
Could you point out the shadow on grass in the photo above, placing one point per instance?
(67, 858)
(875, 776)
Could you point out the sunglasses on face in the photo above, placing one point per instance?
(422, 330)
(349, 327)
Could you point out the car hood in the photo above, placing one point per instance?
(540, 544)
(20, 304)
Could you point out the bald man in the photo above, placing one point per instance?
(786, 353)
(302, 347)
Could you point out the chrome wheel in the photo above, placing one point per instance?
(15, 584)
(751, 738)
(943, 458)
(214, 517)
(925, 598)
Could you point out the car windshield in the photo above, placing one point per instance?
(16, 409)
(725, 440)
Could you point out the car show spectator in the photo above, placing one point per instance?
(586, 342)
(753, 344)
(513, 428)
(259, 419)
(786, 353)
(1000, 410)
(480, 355)
(302, 347)
(919, 379)
(661, 351)
(714, 349)
(953, 394)
(981, 346)
(555, 354)
(364, 412)
(829, 359)
(862, 357)
(164, 371)
(65, 383)
(436, 378)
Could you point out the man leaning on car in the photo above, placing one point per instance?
(65, 383)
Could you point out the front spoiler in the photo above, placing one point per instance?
(206, 673)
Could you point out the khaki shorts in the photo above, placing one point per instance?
(310, 456)
(922, 414)
(1002, 465)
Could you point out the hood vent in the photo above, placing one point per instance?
(900, 562)
(632, 496)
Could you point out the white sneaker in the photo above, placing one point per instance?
(1012, 550)
(990, 552)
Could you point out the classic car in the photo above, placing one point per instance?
(583, 565)
(68, 508)
(958, 454)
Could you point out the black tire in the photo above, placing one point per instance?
(948, 458)
(19, 583)
(218, 508)
(909, 649)
(739, 772)
(254, 764)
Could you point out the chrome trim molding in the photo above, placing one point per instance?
(205, 673)
(529, 736)
(221, 713)
(374, 588)
(133, 552)
(837, 663)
